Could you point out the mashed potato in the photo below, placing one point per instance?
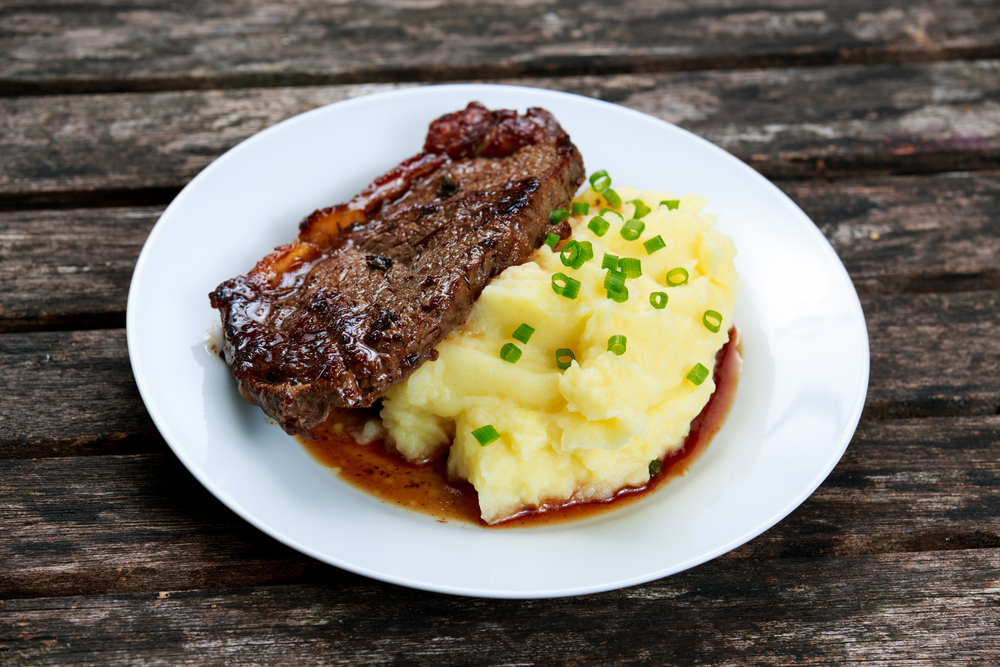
(584, 432)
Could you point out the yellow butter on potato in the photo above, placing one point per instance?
(585, 432)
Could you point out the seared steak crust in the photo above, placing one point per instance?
(371, 286)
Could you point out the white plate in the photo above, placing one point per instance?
(797, 405)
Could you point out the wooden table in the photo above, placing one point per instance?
(880, 119)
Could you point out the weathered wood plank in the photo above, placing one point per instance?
(90, 47)
(130, 523)
(931, 355)
(70, 393)
(119, 524)
(902, 485)
(914, 609)
(910, 235)
(70, 269)
(788, 123)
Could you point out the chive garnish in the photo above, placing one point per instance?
(510, 353)
(633, 229)
(658, 300)
(654, 467)
(564, 357)
(614, 278)
(677, 277)
(671, 204)
(600, 181)
(485, 435)
(630, 266)
(568, 288)
(612, 197)
(551, 240)
(616, 344)
(654, 244)
(611, 210)
(599, 226)
(618, 293)
(712, 319)
(559, 215)
(580, 208)
(697, 374)
(570, 253)
(574, 254)
(523, 333)
(610, 261)
(640, 208)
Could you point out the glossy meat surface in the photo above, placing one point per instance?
(359, 301)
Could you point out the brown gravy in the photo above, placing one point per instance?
(427, 489)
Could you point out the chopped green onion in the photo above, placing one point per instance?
(580, 208)
(611, 210)
(564, 357)
(599, 226)
(618, 293)
(551, 240)
(614, 278)
(485, 435)
(523, 333)
(677, 277)
(559, 215)
(671, 204)
(655, 467)
(610, 261)
(633, 229)
(712, 320)
(658, 300)
(630, 266)
(612, 197)
(640, 208)
(574, 254)
(569, 288)
(570, 253)
(600, 181)
(654, 244)
(697, 374)
(616, 344)
(510, 353)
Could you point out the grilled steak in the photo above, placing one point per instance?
(371, 286)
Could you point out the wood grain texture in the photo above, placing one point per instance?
(909, 235)
(130, 523)
(120, 524)
(936, 608)
(68, 393)
(786, 123)
(50, 47)
(902, 485)
(69, 269)
(931, 355)
(66, 269)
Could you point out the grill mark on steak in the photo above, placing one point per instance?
(372, 285)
